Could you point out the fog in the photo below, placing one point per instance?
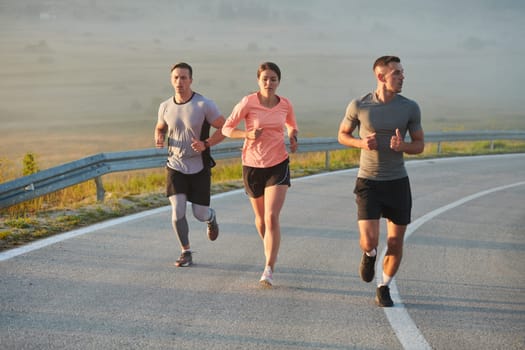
(83, 77)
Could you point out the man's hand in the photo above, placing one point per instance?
(397, 141)
(369, 143)
(198, 145)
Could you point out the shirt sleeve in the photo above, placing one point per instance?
(160, 113)
(212, 111)
(237, 115)
(291, 121)
(351, 118)
(414, 123)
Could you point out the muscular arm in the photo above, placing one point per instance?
(418, 143)
(345, 137)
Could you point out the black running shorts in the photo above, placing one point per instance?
(197, 187)
(390, 199)
(257, 179)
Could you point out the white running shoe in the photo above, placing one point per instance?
(267, 278)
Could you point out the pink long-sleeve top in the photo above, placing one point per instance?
(269, 148)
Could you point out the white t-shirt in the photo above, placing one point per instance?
(186, 121)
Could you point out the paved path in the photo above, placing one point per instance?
(113, 285)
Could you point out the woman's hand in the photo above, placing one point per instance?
(293, 143)
(254, 134)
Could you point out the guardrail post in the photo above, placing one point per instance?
(327, 160)
(439, 147)
(100, 189)
(492, 145)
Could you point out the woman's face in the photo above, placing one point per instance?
(268, 82)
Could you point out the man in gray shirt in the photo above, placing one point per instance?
(382, 188)
(186, 118)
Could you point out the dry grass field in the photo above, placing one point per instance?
(88, 77)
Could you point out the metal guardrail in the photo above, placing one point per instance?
(93, 167)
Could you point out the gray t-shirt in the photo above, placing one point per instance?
(370, 115)
(185, 121)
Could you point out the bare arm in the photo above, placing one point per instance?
(292, 135)
(242, 134)
(160, 134)
(217, 136)
(346, 138)
(214, 139)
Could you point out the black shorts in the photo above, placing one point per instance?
(257, 179)
(197, 187)
(390, 199)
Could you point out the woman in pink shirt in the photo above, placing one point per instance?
(266, 171)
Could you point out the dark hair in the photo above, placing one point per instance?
(183, 65)
(271, 66)
(384, 61)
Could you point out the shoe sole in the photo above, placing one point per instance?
(378, 303)
(213, 238)
(366, 279)
(266, 284)
(183, 265)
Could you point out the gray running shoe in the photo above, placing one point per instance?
(383, 298)
(184, 260)
(213, 227)
(367, 267)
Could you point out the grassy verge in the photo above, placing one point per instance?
(135, 191)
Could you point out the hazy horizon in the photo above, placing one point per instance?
(83, 77)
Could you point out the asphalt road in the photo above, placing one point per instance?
(114, 286)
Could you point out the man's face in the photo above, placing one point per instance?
(180, 79)
(394, 76)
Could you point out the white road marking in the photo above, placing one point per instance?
(404, 327)
(75, 233)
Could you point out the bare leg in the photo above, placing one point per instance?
(369, 234)
(258, 210)
(394, 252)
(274, 197)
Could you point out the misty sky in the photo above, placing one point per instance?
(98, 63)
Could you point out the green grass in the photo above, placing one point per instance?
(136, 191)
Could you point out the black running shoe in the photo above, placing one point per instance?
(383, 298)
(213, 227)
(185, 260)
(367, 267)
